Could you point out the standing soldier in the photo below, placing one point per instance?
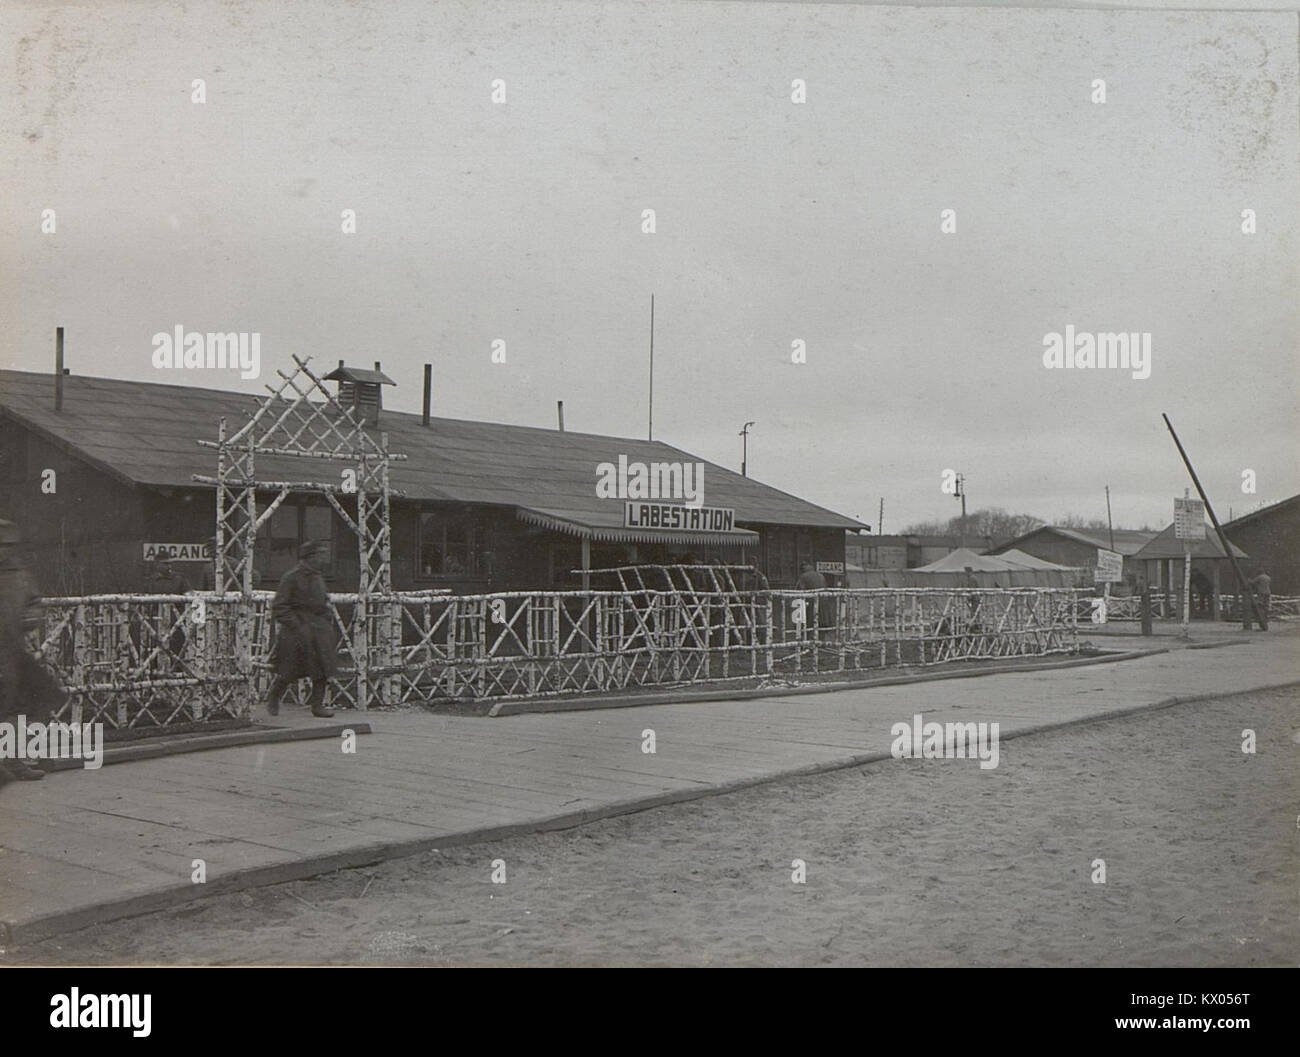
(815, 612)
(1261, 586)
(305, 646)
(25, 686)
(168, 580)
(760, 597)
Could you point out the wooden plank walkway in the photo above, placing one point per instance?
(85, 846)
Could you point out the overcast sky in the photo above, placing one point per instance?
(776, 222)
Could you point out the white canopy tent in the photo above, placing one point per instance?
(964, 568)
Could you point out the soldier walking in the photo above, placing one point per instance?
(305, 647)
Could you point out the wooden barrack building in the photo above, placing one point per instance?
(108, 478)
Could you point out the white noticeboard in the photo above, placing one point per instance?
(1110, 567)
(1189, 519)
(835, 568)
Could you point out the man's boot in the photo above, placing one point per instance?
(318, 701)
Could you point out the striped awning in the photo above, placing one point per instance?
(572, 525)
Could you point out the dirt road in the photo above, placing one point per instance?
(911, 862)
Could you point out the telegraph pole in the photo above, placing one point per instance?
(1109, 526)
(961, 494)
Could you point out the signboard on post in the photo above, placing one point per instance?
(1110, 567)
(1189, 519)
(835, 568)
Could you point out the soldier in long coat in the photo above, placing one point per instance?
(305, 646)
(1261, 586)
(26, 688)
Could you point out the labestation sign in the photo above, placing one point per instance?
(673, 516)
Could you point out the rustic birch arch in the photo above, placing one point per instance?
(300, 419)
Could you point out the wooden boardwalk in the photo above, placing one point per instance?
(86, 846)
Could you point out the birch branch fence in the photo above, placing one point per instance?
(160, 661)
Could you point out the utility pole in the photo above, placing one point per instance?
(961, 494)
(1105, 587)
(880, 521)
(1109, 526)
(744, 450)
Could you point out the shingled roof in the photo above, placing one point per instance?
(145, 433)
(1262, 513)
(1127, 541)
(1167, 545)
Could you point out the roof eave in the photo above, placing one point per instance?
(68, 447)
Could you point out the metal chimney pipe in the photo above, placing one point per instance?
(559, 407)
(428, 392)
(58, 368)
(377, 365)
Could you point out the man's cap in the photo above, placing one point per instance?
(310, 547)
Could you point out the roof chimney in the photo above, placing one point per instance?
(428, 393)
(360, 390)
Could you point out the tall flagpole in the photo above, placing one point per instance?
(650, 429)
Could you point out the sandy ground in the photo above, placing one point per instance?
(908, 863)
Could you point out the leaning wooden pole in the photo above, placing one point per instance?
(1247, 596)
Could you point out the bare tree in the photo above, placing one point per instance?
(1074, 521)
(988, 523)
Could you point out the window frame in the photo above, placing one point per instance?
(474, 539)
